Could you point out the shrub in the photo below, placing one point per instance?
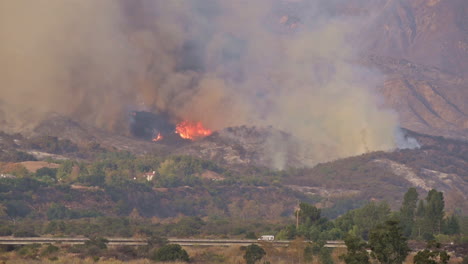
(16, 156)
(49, 250)
(250, 235)
(98, 242)
(210, 257)
(29, 251)
(5, 231)
(253, 253)
(122, 253)
(94, 247)
(57, 211)
(45, 171)
(25, 233)
(171, 252)
(51, 145)
(157, 241)
(17, 208)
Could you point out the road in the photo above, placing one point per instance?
(117, 241)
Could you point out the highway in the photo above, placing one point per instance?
(117, 241)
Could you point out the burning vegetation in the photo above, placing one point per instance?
(157, 127)
(192, 130)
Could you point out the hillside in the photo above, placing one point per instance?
(439, 163)
(427, 99)
(432, 33)
(236, 175)
(422, 48)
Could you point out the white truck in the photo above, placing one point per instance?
(266, 238)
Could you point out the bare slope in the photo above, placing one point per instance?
(427, 99)
(422, 47)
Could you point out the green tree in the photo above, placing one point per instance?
(421, 210)
(361, 220)
(188, 226)
(420, 225)
(287, 233)
(51, 172)
(434, 211)
(388, 244)
(325, 256)
(253, 253)
(452, 226)
(433, 254)
(308, 214)
(94, 247)
(17, 209)
(356, 251)
(408, 210)
(94, 176)
(65, 170)
(171, 252)
(58, 211)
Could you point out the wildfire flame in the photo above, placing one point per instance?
(158, 137)
(192, 130)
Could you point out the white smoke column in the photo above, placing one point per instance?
(403, 141)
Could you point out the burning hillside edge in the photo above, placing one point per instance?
(240, 145)
(152, 133)
(157, 127)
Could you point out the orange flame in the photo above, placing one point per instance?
(159, 137)
(192, 130)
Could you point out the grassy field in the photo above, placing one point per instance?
(199, 255)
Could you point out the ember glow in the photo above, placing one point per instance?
(192, 130)
(158, 137)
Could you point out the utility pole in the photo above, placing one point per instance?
(297, 219)
(297, 211)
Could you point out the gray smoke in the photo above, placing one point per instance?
(283, 63)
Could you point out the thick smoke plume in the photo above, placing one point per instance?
(69, 57)
(288, 64)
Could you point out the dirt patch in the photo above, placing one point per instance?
(33, 166)
(86, 188)
(211, 175)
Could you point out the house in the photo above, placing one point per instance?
(7, 176)
(149, 175)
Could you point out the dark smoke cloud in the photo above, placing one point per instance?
(224, 63)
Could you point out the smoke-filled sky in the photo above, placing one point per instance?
(283, 63)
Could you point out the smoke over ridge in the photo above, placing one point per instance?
(266, 62)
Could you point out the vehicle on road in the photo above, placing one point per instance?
(266, 238)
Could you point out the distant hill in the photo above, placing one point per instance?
(440, 164)
(428, 32)
(339, 185)
(422, 48)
